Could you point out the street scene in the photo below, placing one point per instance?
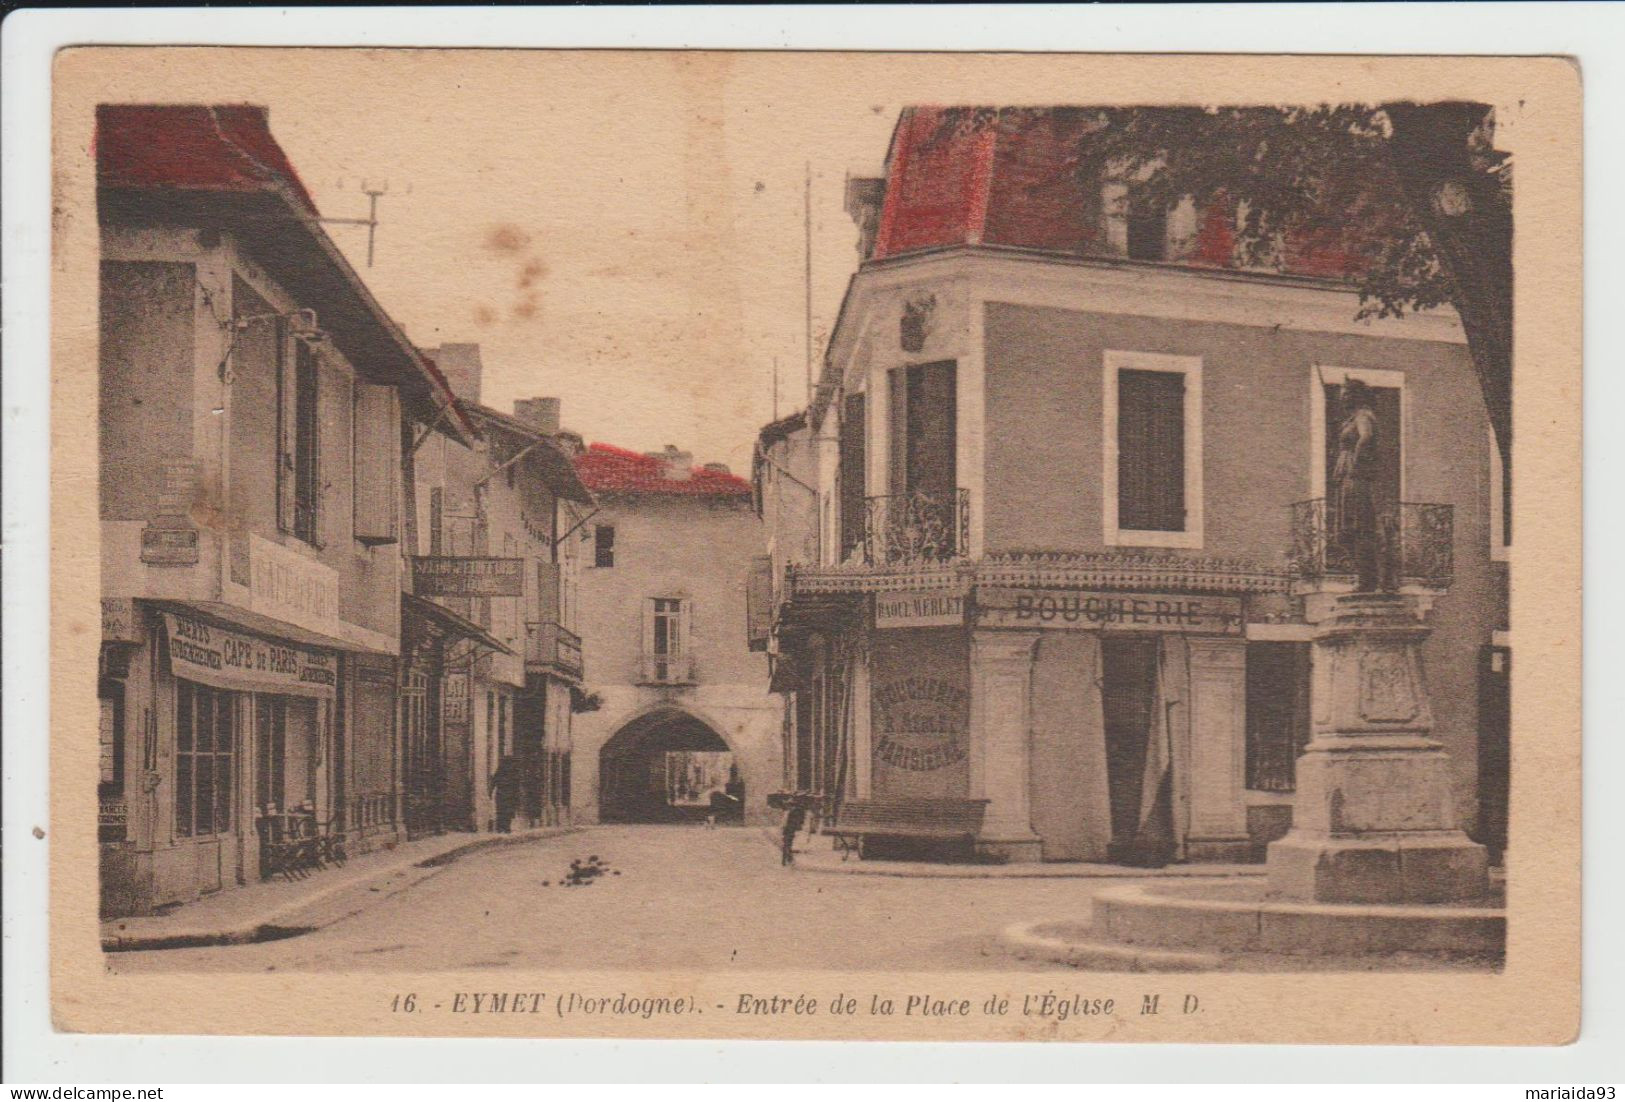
(1113, 574)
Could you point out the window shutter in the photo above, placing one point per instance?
(333, 421)
(1151, 451)
(376, 461)
(759, 603)
(897, 418)
(547, 593)
(648, 649)
(287, 418)
(851, 459)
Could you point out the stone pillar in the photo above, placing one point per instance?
(862, 729)
(1373, 820)
(1001, 665)
(1216, 763)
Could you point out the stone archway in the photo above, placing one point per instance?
(665, 766)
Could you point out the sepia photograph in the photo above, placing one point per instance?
(647, 515)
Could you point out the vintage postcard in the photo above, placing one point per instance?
(816, 545)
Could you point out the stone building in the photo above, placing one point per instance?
(253, 402)
(493, 562)
(685, 725)
(1068, 534)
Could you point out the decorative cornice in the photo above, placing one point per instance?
(1053, 570)
(1128, 570)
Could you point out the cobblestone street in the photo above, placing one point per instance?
(685, 898)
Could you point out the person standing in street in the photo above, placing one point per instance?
(795, 817)
(505, 784)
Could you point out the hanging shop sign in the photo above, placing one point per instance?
(919, 609)
(1090, 610)
(447, 576)
(236, 660)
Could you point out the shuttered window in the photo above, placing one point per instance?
(375, 460)
(1150, 450)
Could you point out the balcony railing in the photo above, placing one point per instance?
(553, 646)
(900, 529)
(1414, 543)
(666, 669)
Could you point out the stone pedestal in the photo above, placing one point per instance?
(1373, 820)
(1001, 667)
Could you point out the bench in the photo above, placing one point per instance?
(932, 820)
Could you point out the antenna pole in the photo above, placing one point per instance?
(372, 223)
(775, 388)
(806, 219)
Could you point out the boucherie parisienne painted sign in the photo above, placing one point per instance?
(1089, 610)
(921, 723)
(445, 576)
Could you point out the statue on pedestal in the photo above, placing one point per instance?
(1357, 524)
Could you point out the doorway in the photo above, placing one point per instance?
(1128, 698)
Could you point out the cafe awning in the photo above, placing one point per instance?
(451, 622)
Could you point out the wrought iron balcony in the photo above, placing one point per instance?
(551, 646)
(1415, 542)
(900, 529)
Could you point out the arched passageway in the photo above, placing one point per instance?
(667, 766)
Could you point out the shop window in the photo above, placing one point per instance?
(603, 551)
(1278, 724)
(1153, 452)
(205, 736)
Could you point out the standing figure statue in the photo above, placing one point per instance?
(1357, 523)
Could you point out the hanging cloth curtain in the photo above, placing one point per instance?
(1154, 841)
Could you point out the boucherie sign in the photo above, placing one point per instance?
(236, 660)
(1090, 610)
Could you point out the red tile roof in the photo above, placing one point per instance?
(606, 469)
(195, 147)
(1014, 184)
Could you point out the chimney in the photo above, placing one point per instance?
(865, 196)
(460, 364)
(718, 468)
(541, 414)
(675, 466)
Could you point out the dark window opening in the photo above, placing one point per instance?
(603, 549)
(1150, 451)
(1148, 234)
(1278, 724)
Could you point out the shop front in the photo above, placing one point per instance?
(1071, 723)
(218, 741)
